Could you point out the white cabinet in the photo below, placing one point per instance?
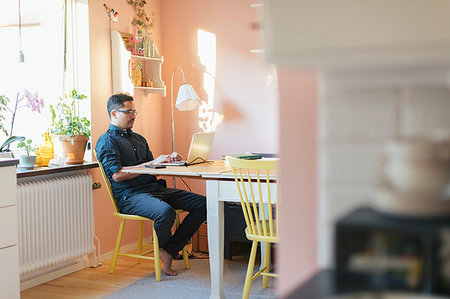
(9, 251)
(354, 33)
(122, 67)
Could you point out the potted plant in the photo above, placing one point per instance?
(73, 130)
(32, 101)
(28, 160)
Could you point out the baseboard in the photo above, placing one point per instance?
(74, 267)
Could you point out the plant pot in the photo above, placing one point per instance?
(74, 148)
(27, 161)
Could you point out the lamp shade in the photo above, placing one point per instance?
(187, 98)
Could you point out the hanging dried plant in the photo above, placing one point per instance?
(141, 21)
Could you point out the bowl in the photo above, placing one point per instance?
(417, 176)
(389, 201)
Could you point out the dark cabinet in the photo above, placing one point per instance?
(234, 227)
(377, 251)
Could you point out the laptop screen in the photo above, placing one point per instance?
(200, 147)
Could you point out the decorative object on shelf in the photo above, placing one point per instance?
(135, 40)
(113, 15)
(136, 73)
(141, 21)
(144, 24)
(147, 84)
(151, 81)
(415, 177)
(27, 161)
(46, 150)
(150, 49)
(73, 130)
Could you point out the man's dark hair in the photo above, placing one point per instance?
(117, 101)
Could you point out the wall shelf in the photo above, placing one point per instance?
(121, 63)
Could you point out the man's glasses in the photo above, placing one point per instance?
(129, 112)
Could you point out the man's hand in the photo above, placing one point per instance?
(165, 158)
(161, 159)
(176, 156)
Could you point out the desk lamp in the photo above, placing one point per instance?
(187, 100)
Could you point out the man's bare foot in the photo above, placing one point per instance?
(166, 258)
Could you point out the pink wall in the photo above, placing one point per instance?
(148, 123)
(242, 94)
(248, 104)
(297, 254)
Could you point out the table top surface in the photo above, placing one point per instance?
(214, 170)
(218, 169)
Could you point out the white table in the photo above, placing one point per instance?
(220, 187)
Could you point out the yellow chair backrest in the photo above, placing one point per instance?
(253, 178)
(108, 183)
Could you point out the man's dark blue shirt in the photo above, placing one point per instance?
(117, 148)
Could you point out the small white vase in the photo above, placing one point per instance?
(27, 161)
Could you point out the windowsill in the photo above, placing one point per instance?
(37, 171)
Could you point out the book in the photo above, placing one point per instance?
(246, 156)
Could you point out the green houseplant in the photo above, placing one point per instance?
(72, 129)
(28, 160)
(141, 21)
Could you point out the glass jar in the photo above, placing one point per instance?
(47, 150)
(38, 157)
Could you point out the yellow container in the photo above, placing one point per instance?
(38, 157)
(136, 73)
(47, 150)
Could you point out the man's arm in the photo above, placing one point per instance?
(122, 176)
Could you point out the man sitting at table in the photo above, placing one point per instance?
(119, 149)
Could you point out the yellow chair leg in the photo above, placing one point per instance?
(187, 265)
(266, 265)
(140, 238)
(117, 247)
(156, 254)
(186, 259)
(251, 265)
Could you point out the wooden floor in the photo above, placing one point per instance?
(97, 282)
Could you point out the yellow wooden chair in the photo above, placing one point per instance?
(252, 178)
(140, 255)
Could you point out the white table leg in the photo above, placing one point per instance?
(215, 219)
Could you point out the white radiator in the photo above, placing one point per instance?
(56, 221)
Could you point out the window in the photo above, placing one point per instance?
(56, 60)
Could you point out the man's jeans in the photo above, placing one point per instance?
(160, 207)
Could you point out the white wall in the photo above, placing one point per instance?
(359, 111)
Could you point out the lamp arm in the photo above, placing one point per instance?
(182, 73)
(171, 112)
(171, 104)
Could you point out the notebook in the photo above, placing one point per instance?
(198, 152)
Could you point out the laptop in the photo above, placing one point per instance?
(198, 152)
